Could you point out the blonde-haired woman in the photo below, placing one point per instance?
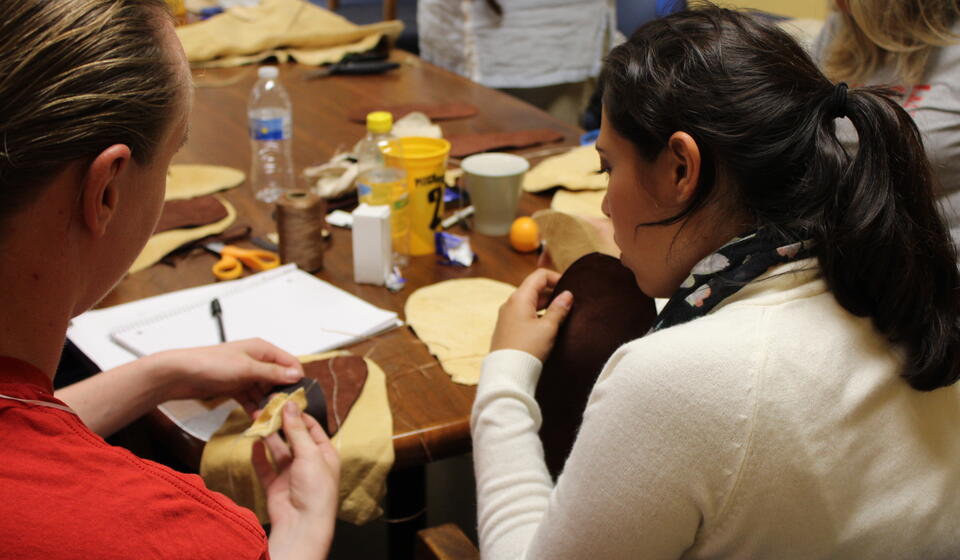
(912, 46)
(94, 102)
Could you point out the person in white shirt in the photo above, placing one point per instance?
(546, 52)
(796, 396)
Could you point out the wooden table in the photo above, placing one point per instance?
(430, 413)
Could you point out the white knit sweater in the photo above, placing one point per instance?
(775, 427)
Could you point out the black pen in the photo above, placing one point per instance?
(217, 313)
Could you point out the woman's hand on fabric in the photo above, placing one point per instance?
(521, 327)
(245, 370)
(302, 486)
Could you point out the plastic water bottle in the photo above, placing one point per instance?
(378, 184)
(271, 133)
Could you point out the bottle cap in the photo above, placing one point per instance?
(267, 72)
(379, 122)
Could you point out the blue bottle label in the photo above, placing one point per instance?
(267, 129)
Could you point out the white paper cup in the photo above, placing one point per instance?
(494, 182)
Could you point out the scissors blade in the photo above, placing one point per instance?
(215, 247)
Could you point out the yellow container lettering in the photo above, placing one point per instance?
(425, 162)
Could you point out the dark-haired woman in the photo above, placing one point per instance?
(795, 398)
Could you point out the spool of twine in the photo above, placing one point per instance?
(300, 220)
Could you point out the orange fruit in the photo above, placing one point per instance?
(525, 235)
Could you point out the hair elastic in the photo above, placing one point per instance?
(838, 101)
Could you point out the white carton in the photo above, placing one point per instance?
(372, 248)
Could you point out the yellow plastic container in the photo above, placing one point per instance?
(425, 162)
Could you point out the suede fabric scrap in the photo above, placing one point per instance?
(160, 244)
(190, 213)
(281, 29)
(463, 145)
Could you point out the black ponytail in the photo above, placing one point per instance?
(883, 246)
(764, 119)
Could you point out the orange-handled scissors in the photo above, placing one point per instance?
(233, 258)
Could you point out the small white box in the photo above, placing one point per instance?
(372, 249)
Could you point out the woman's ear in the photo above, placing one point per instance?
(683, 159)
(101, 193)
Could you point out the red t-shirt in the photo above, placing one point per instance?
(65, 493)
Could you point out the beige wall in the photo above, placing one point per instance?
(793, 8)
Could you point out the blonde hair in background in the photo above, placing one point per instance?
(76, 77)
(897, 33)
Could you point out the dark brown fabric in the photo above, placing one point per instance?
(191, 212)
(341, 378)
(436, 111)
(466, 144)
(608, 311)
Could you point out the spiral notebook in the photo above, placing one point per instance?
(285, 306)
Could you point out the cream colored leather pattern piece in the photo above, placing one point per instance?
(309, 57)
(164, 242)
(271, 417)
(455, 319)
(568, 237)
(364, 442)
(579, 203)
(193, 180)
(330, 55)
(226, 465)
(576, 170)
(274, 24)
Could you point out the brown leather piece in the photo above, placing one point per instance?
(342, 379)
(462, 145)
(435, 111)
(608, 311)
(191, 212)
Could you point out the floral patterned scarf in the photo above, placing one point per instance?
(722, 274)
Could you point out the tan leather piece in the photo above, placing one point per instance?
(459, 339)
(270, 419)
(190, 180)
(274, 24)
(578, 169)
(581, 203)
(567, 237)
